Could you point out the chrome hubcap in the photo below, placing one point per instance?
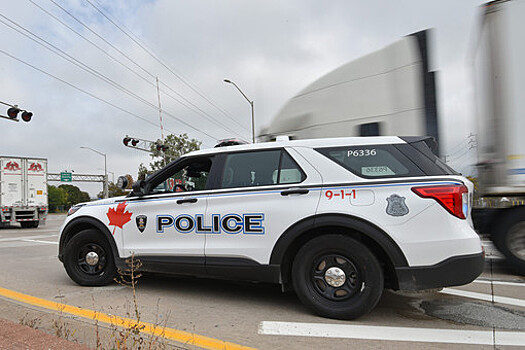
(92, 258)
(335, 277)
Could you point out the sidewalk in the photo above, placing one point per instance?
(14, 336)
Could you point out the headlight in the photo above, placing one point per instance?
(74, 209)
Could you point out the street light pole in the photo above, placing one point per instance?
(106, 187)
(251, 104)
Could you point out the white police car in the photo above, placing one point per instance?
(335, 219)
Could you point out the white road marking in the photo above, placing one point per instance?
(37, 241)
(427, 335)
(485, 297)
(10, 239)
(501, 283)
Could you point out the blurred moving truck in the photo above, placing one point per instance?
(391, 91)
(23, 191)
(499, 71)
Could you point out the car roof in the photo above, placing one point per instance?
(312, 143)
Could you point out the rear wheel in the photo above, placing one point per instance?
(88, 259)
(509, 238)
(337, 277)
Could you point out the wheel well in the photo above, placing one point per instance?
(81, 224)
(375, 248)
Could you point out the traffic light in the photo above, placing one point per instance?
(161, 147)
(13, 112)
(26, 116)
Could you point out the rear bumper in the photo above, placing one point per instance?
(454, 271)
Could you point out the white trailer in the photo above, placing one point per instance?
(387, 92)
(500, 95)
(23, 190)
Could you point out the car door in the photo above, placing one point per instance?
(259, 195)
(167, 220)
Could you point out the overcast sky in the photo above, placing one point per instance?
(271, 49)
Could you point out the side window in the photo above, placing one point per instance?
(290, 173)
(373, 161)
(260, 168)
(190, 175)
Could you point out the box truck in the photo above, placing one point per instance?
(23, 191)
(499, 53)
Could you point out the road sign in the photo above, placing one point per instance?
(66, 177)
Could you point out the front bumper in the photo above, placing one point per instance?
(454, 271)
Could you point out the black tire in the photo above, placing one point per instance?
(97, 271)
(321, 257)
(34, 224)
(509, 238)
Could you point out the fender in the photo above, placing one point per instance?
(82, 223)
(394, 253)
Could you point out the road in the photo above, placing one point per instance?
(259, 315)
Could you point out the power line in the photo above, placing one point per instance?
(200, 111)
(88, 69)
(96, 97)
(77, 88)
(141, 44)
(54, 49)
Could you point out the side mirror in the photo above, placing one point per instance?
(139, 188)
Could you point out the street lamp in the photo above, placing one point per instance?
(251, 104)
(106, 191)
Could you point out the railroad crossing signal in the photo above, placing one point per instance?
(12, 113)
(144, 145)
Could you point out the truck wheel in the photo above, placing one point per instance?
(337, 277)
(88, 259)
(510, 238)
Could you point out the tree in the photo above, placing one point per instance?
(178, 146)
(57, 198)
(74, 195)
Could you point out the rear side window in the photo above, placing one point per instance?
(260, 168)
(420, 153)
(373, 161)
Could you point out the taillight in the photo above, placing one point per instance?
(454, 198)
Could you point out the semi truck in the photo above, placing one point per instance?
(499, 73)
(23, 191)
(392, 92)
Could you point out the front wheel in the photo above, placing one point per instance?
(88, 259)
(337, 277)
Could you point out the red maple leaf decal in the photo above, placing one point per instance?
(118, 217)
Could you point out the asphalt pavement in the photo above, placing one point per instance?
(207, 313)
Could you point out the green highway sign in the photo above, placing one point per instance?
(66, 177)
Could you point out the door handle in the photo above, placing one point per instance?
(188, 200)
(295, 191)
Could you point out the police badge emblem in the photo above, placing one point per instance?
(141, 222)
(396, 206)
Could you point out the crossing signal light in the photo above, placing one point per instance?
(161, 147)
(126, 140)
(26, 116)
(134, 142)
(13, 112)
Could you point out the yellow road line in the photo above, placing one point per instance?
(149, 328)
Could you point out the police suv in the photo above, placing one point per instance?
(335, 219)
